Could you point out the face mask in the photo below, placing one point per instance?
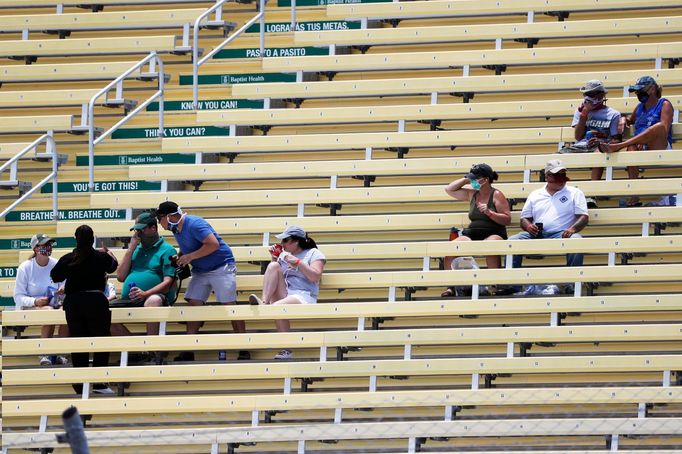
(642, 97)
(45, 250)
(592, 100)
(174, 225)
(475, 184)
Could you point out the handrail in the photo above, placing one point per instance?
(153, 59)
(51, 149)
(196, 63)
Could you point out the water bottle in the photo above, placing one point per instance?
(130, 287)
(454, 233)
(222, 355)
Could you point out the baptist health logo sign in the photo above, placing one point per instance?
(123, 160)
(16, 244)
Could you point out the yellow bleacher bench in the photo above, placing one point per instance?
(34, 124)
(445, 8)
(385, 194)
(101, 21)
(46, 3)
(37, 98)
(361, 223)
(332, 339)
(408, 311)
(377, 167)
(70, 72)
(448, 59)
(408, 431)
(87, 46)
(596, 245)
(380, 113)
(362, 141)
(477, 32)
(428, 85)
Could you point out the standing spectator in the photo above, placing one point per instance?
(653, 119)
(34, 289)
(87, 307)
(593, 119)
(146, 271)
(213, 265)
(561, 210)
(293, 276)
(488, 211)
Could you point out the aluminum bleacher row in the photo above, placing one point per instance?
(383, 104)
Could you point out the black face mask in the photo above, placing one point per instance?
(643, 97)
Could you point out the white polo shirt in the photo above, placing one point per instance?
(556, 212)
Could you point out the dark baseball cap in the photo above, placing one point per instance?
(481, 171)
(642, 82)
(144, 220)
(167, 208)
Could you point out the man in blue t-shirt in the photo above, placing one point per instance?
(213, 264)
(593, 120)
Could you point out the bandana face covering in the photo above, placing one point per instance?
(174, 225)
(642, 97)
(45, 250)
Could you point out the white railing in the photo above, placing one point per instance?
(50, 153)
(155, 70)
(196, 63)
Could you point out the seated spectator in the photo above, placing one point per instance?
(213, 265)
(554, 211)
(34, 289)
(146, 271)
(653, 118)
(86, 306)
(594, 120)
(488, 211)
(293, 276)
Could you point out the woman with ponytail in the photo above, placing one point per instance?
(293, 276)
(87, 308)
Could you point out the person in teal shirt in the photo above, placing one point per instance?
(146, 271)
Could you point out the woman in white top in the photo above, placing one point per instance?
(293, 277)
(34, 288)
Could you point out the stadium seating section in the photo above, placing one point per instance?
(350, 125)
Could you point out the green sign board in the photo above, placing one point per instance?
(211, 104)
(138, 159)
(233, 79)
(65, 215)
(8, 271)
(177, 131)
(104, 186)
(6, 301)
(25, 243)
(283, 3)
(283, 27)
(254, 52)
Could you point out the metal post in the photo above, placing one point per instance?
(262, 27)
(293, 15)
(75, 435)
(52, 149)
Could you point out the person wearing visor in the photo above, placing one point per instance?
(594, 120)
(213, 265)
(146, 271)
(488, 211)
(554, 211)
(293, 276)
(34, 289)
(652, 118)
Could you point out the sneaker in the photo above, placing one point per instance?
(45, 361)
(101, 388)
(62, 360)
(243, 355)
(254, 300)
(591, 202)
(284, 354)
(184, 356)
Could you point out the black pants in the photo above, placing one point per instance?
(88, 315)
